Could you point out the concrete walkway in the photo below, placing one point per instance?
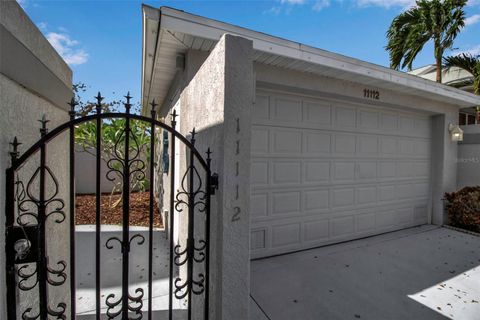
(419, 273)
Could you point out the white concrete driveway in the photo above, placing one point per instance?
(419, 273)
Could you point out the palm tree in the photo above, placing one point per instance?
(469, 63)
(437, 20)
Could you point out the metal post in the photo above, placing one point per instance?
(207, 236)
(126, 213)
(191, 228)
(151, 210)
(171, 215)
(42, 244)
(72, 104)
(98, 216)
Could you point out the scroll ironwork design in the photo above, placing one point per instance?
(36, 202)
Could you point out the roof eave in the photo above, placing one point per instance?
(201, 27)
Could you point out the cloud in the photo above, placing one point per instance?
(472, 20)
(321, 4)
(42, 26)
(273, 10)
(292, 1)
(474, 51)
(67, 48)
(385, 3)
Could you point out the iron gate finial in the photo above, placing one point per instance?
(192, 139)
(98, 105)
(153, 112)
(127, 105)
(174, 115)
(73, 103)
(44, 121)
(14, 154)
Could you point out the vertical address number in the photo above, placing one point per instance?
(371, 94)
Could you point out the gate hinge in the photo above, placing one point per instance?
(213, 183)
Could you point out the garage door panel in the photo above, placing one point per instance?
(317, 143)
(365, 222)
(316, 171)
(388, 122)
(367, 119)
(286, 172)
(344, 197)
(286, 203)
(343, 171)
(316, 200)
(367, 145)
(285, 235)
(262, 107)
(259, 174)
(317, 113)
(345, 117)
(366, 170)
(316, 230)
(287, 110)
(345, 144)
(260, 141)
(286, 141)
(324, 172)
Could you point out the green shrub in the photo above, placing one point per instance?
(463, 208)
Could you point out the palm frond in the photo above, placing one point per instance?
(466, 62)
(438, 20)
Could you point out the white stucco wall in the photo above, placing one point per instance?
(468, 166)
(21, 106)
(216, 97)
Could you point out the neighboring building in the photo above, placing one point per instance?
(34, 81)
(312, 147)
(458, 78)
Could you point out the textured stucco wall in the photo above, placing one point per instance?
(21, 107)
(468, 166)
(216, 98)
(21, 111)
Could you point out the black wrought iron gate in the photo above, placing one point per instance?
(35, 211)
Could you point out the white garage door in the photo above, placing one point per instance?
(324, 172)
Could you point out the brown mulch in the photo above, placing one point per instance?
(463, 208)
(139, 210)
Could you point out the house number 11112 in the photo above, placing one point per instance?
(371, 94)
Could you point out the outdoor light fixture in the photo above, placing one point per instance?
(456, 134)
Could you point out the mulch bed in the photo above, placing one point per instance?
(113, 215)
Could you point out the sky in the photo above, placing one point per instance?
(102, 40)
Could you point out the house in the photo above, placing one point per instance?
(458, 78)
(311, 147)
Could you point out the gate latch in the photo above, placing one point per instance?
(23, 241)
(213, 183)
